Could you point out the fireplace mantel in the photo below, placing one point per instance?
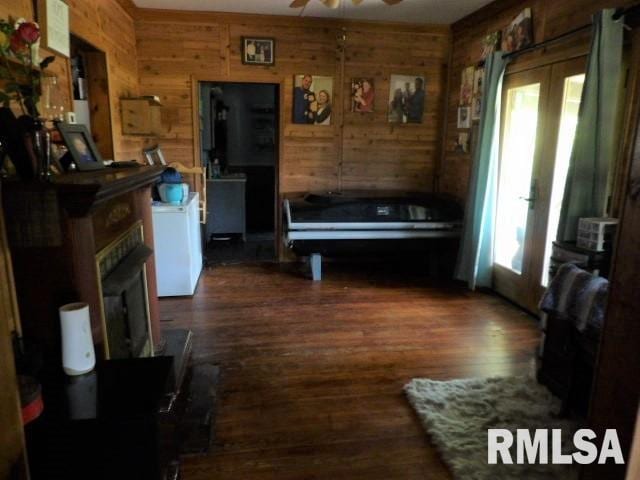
(82, 192)
(58, 231)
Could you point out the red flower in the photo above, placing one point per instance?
(29, 32)
(18, 45)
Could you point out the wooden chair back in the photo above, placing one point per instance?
(201, 174)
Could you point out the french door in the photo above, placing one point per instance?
(539, 115)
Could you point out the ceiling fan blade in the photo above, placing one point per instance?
(357, 2)
(331, 3)
(299, 3)
(392, 2)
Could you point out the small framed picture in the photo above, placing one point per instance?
(258, 51)
(464, 117)
(363, 95)
(154, 156)
(462, 144)
(490, 44)
(53, 17)
(84, 152)
(466, 86)
(476, 101)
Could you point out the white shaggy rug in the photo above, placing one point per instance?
(457, 413)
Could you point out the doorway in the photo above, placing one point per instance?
(539, 116)
(239, 143)
(91, 100)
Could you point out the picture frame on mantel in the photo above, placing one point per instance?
(83, 150)
(53, 17)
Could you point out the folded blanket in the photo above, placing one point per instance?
(577, 296)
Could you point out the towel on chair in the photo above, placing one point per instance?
(577, 296)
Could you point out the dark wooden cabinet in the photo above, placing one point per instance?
(120, 421)
(567, 363)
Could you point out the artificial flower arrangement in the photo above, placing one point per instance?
(21, 82)
(24, 140)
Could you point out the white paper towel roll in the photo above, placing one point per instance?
(78, 355)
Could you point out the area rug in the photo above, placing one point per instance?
(457, 413)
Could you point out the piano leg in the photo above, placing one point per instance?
(315, 259)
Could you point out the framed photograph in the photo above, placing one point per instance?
(464, 117)
(462, 144)
(406, 98)
(466, 87)
(312, 96)
(258, 51)
(490, 44)
(154, 155)
(476, 101)
(519, 33)
(363, 95)
(53, 17)
(84, 152)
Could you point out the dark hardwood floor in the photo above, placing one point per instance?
(312, 373)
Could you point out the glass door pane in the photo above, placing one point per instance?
(568, 121)
(516, 167)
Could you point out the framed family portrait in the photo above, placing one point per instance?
(519, 33)
(258, 51)
(312, 95)
(406, 99)
(363, 95)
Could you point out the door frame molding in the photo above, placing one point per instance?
(197, 141)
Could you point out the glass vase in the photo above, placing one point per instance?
(42, 150)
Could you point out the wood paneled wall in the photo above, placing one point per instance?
(550, 19)
(357, 150)
(107, 26)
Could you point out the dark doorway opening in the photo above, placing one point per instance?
(239, 141)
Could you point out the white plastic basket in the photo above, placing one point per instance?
(596, 233)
